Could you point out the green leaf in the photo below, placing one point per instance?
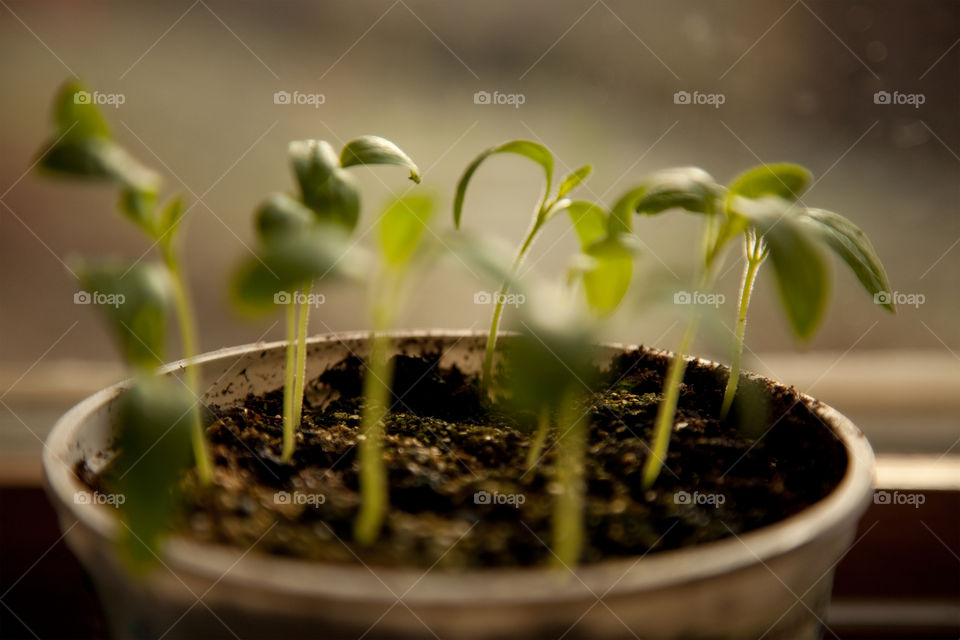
(75, 115)
(377, 150)
(313, 161)
(800, 270)
(140, 208)
(573, 180)
(784, 180)
(99, 158)
(292, 261)
(153, 446)
(339, 201)
(168, 221)
(402, 226)
(136, 302)
(536, 152)
(621, 216)
(607, 280)
(689, 188)
(852, 245)
(552, 356)
(280, 216)
(589, 221)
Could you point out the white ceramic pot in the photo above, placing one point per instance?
(772, 582)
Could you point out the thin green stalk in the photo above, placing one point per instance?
(376, 403)
(568, 530)
(188, 339)
(487, 371)
(668, 407)
(299, 384)
(539, 438)
(663, 423)
(755, 254)
(288, 383)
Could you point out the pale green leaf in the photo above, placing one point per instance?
(784, 180)
(377, 150)
(689, 188)
(573, 180)
(606, 282)
(76, 116)
(589, 221)
(852, 245)
(402, 226)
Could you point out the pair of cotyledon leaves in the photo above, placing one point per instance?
(136, 299)
(606, 260)
(763, 198)
(307, 238)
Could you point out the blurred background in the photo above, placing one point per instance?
(596, 81)
(866, 94)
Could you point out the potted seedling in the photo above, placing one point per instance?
(393, 483)
(762, 204)
(83, 148)
(305, 239)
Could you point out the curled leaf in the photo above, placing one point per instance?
(689, 188)
(784, 180)
(854, 248)
(536, 152)
(377, 150)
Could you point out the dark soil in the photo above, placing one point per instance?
(444, 445)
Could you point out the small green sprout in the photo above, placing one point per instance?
(762, 204)
(305, 239)
(546, 209)
(551, 364)
(83, 147)
(401, 231)
(765, 197)
(153, 422)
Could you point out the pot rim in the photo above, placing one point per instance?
(494, 585)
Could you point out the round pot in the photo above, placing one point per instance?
(773, 582)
